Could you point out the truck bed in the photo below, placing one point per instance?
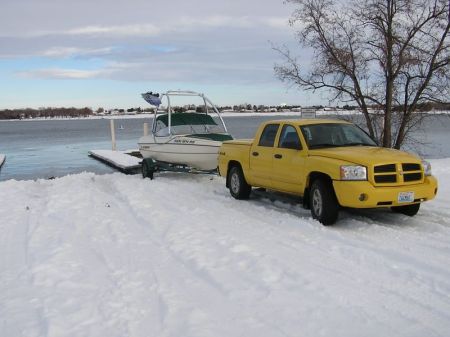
(248, 142)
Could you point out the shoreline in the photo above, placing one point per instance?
(224, 114)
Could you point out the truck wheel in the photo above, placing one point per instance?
(323, 202)
(239, 188)
(409, 210)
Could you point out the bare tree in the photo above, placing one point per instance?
(393, 55)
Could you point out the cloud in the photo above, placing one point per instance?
(58, 73)
(62, 52)
(182, 24)
(162, 69)
(117, 31)
(78, 74)
(278, 22)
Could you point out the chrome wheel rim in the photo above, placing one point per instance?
(317, 203)
(234, 183)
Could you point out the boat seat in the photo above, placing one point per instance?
(162, 132)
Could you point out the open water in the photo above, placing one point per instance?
(53, 148)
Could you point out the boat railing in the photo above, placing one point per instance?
(208, 106)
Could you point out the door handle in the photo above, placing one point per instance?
(278, 156)
(256, 154)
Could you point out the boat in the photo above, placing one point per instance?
(189, 139)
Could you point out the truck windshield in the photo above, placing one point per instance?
(335, 135)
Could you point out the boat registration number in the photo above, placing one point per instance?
(406, 197)
(184, 141)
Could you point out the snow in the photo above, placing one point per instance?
(118, 158)
(2, 159)
(116, 255)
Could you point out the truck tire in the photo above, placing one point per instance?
(323, 202)
(239, 188)
(409, 210)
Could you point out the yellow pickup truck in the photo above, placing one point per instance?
(330, 164)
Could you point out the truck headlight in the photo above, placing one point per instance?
(353, 172)
(426, 168)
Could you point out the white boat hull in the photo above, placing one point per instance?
(198, 153)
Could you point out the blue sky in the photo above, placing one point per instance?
(105, 53)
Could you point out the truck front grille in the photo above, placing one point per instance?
(384, 168)
(407, 177)
(411, 167)
(386, 179)
(400, 173)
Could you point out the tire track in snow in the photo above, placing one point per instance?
(16, 228)
(165, 252)
(200, 270)
(189, 268)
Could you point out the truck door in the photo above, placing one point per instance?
(289, 161)
(261, 156)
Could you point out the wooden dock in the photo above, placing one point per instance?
(125, 161)
(2, 159)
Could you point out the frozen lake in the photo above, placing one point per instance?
(53, 148)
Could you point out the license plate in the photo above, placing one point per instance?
(406, 197)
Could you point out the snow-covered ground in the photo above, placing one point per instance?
(115, 255)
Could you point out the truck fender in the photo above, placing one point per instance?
(310, 179)
(232, 163)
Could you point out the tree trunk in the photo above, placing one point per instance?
(389, 71)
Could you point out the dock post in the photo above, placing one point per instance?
(113, 135)
(145, 129)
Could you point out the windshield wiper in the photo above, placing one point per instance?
(357, 143)
(319, 146)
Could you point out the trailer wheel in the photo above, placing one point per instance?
(239, 188)
(147, 172)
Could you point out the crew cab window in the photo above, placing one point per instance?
(268, 135)
(289, 138)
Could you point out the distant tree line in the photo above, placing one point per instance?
(86, 112)
(45, 113)
(422, 107)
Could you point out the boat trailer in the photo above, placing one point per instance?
(150, 166)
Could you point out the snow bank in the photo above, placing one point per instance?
(115, 255)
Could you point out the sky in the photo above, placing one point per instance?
(106, 53)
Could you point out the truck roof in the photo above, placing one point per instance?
(309, 121)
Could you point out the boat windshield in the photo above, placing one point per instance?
(186, 123)
(319, 136)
